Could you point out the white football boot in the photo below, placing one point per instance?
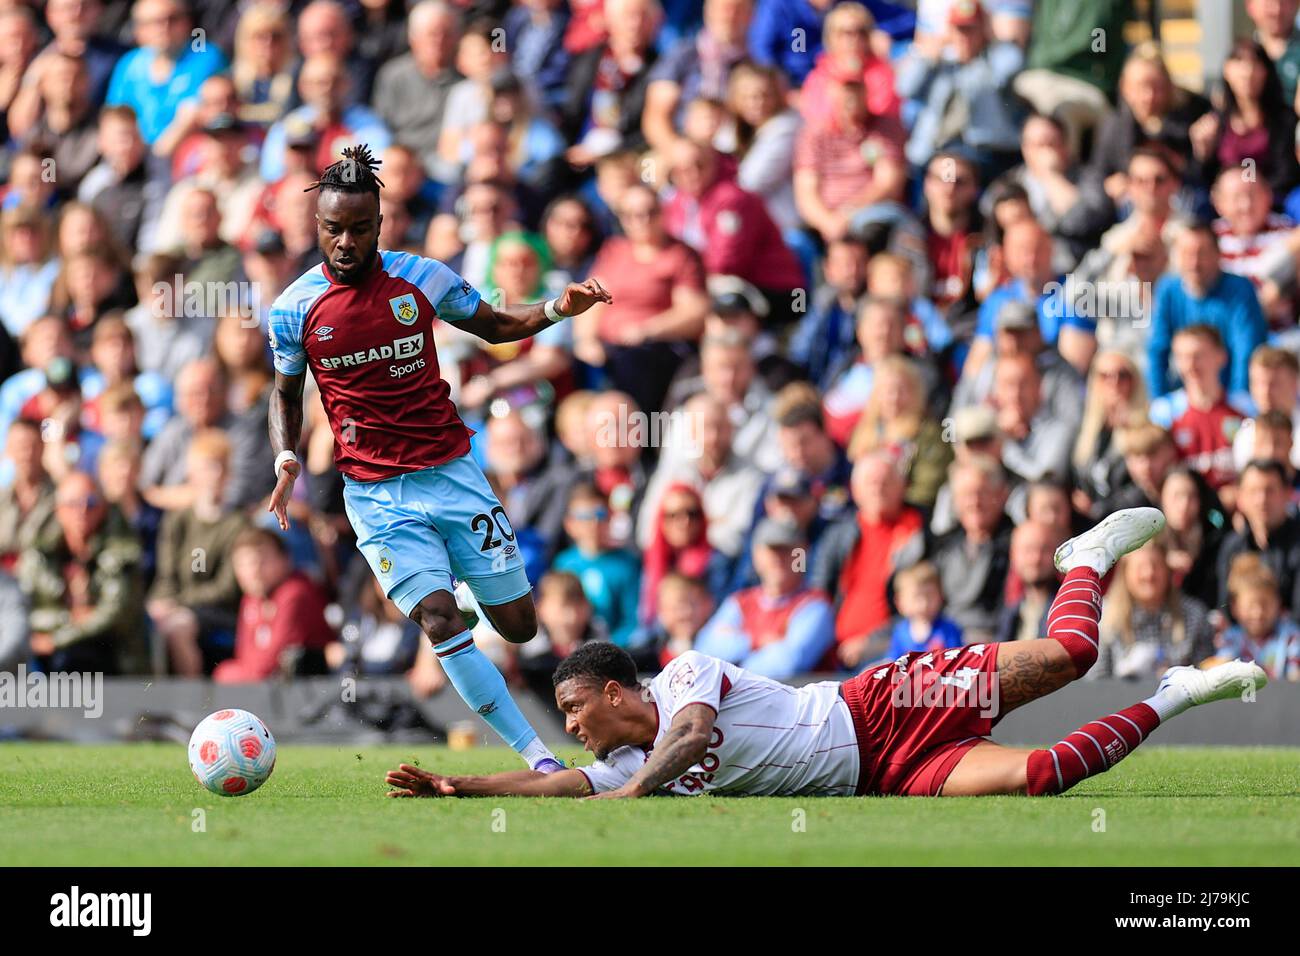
(1106, 542)
(1221, 682)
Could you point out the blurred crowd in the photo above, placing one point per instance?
(905, 295)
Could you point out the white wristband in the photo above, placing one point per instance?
(281, 458)
(552, 313)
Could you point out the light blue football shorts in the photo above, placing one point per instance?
(419, 529)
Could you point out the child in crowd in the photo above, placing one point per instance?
(610, 577)
(920, 624)
(1264, 633)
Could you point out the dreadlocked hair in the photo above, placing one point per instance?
(354, 173)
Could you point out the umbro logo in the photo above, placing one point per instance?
(324, 333)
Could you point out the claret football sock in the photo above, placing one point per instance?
(1098, 746)
(1092, 749)
(481, 685)
(1086, 560)
(1073, 618)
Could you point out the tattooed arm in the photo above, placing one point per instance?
(284, 419)
(683, 747)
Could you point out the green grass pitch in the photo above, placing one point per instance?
(134, 804)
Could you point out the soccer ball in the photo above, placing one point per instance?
(232, 752)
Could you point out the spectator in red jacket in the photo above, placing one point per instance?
(731, 229)
(858, 554)
(679, 543)
(281, 608)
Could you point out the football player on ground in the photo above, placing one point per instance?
(917, 726)
(423, 511)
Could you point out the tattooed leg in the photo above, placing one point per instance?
(1028, 670)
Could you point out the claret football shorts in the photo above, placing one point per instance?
(916, 717)
(422, 530)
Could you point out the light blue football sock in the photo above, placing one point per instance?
(481, 685)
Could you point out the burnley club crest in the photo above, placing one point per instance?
(405, 309)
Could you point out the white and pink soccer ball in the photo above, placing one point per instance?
(232, 752)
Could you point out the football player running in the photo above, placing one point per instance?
(423, 512)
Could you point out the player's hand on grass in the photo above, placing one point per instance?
(622, 793)
(283, 492)
(578, 297)
(410, 781)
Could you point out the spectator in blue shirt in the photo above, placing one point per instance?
(1200, 292)
(325, 87)
(825, 338)
(788, 496)
(1027, 251)
(781, 628)
(611, 578)
(166, 69)
(777, 24)
(534, 32)
(963, 97)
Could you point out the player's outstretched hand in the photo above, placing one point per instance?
(283, 492)
(411, 781)
(578, 297)
(620, 794)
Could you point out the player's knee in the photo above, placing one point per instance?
(438, 617)
(1017, 779)
(1081, 649)
(516, 621)
(1082, 656)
